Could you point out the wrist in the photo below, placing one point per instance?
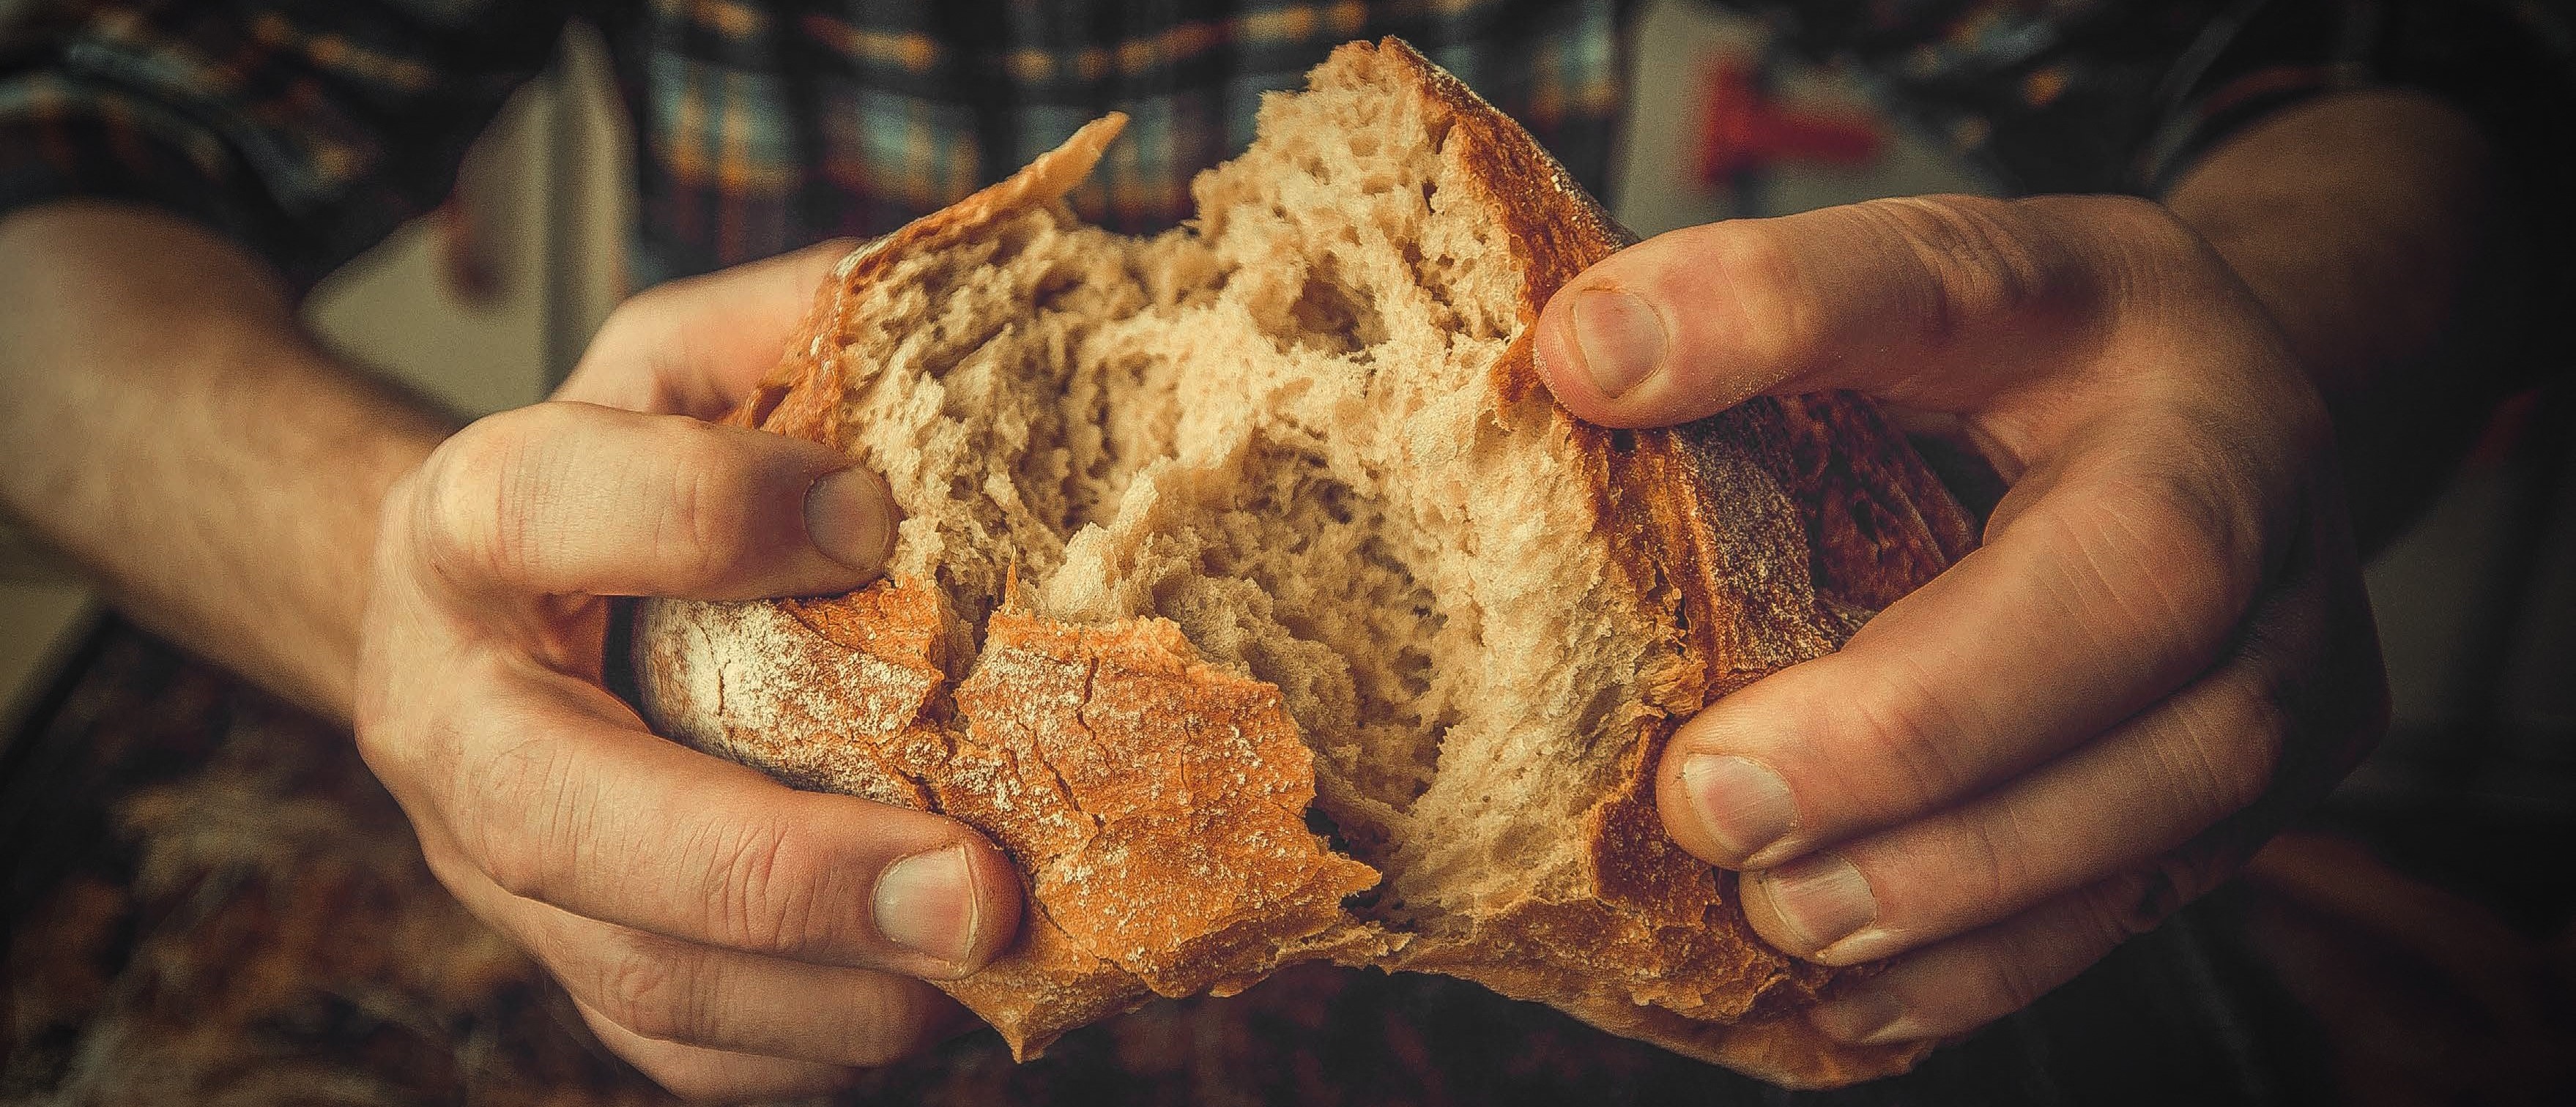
(2354, 217)
(2368, 225)
(175, 432)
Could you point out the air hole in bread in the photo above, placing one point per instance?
(1275, 428)
(1306, 563)
(1327, 317)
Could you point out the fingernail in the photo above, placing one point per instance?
(1868, 1016)
(1742, 804)
(926, 903)
(1822, 899)
(850, 517)
(1621, 337)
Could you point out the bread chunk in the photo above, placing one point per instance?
(1258, 599)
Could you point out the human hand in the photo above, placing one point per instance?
(730, 936)
(2160, 654)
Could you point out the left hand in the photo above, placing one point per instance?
(730, 936)
(2160, 654)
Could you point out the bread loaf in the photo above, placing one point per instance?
(1258, 599)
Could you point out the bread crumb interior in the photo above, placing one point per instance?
(1275, 428)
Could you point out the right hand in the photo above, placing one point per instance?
(730, 936)
(2160, 655)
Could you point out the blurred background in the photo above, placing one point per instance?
(489, 302)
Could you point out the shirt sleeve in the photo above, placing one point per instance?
(306, 129)
(2121, 95)
(2508, 65)
(2125, 95)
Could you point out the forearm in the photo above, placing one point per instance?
(2370, 225)
(173, 429)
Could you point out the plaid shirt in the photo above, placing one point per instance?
(309, 128)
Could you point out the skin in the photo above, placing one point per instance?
(237, 490)
(2161, 652)
(172, 429)
(729, 935)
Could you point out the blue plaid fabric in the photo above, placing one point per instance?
(309, 128)
(770, 124)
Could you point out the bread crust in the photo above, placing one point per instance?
(1155, 802)
(1657, 946)
(1076, 746)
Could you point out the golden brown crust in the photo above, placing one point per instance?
(1155, 803)
(842, 685)
(1879, 525)
(1092, 750)
(1167, 796)
(1659, 948)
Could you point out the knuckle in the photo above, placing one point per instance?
(2055, 942)
(2134, 217)
(483, 493)
(1775, 325)
(643, 325)
(765, 896)
(2227, 756)
(2182, 506)
(628, 339)
(1995, 874)
(514, 866)
(403, 750)
(1978, 261)
(1908, 733)
(709, 509)
(2145, 235)
(2168, 562)
(520, 821)
(650, 987)
(2288, 431)
(425, 743)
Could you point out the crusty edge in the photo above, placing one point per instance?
(1658, 493)
(1656, 497)
(801, 398)
(880, 656)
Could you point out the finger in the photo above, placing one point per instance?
(1935, 302)
(558, 794)
(711, 1075)
(564, 498)
(1959, 985)
(674, 991)
(696, 345)
(2124, 578)
(2142, 790)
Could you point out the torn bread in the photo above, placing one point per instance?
(1256, 597)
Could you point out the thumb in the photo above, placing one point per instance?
(1932, 302)
(567, 498)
